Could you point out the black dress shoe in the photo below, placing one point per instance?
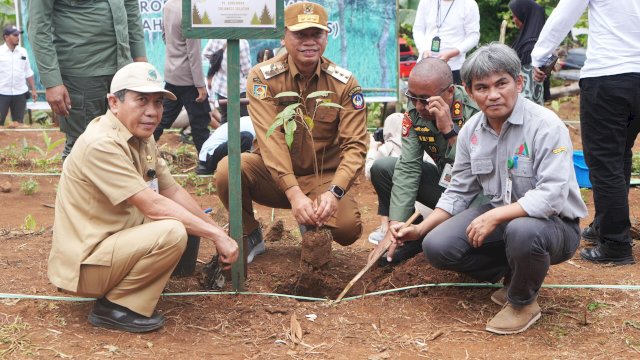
(402, 253)
(202, 170)
(604, 254)
(113, 316)
(591, 235)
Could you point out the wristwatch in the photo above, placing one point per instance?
(454, 132)
(337, 191)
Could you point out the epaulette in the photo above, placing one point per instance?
(274, 69)
(343, 75)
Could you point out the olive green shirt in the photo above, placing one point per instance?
(419, 136)
(84, 37)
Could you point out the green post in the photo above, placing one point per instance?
(235, 190)
(218, 28)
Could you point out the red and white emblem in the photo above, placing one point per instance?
(406, 125)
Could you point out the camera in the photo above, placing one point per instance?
(548, 65)
(378, 135)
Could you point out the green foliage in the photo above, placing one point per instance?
(635, 164)
(49, 145)
(594, 305)
(374, 115)
(7, 13)
(29, 223)
(29, 187)
(297, 113)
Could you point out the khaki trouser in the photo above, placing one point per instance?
(258, 186)
(143, 258)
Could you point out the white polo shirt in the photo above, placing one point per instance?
(14, 70)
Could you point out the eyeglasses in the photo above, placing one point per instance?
(423, 100)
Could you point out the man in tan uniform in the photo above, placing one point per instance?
(121, 220)
(280, 177)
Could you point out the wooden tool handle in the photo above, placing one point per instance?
(377, 253)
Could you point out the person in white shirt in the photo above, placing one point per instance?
(447, 29)
(218, 84)
(609, 113)
(217, 145)
(15, 73)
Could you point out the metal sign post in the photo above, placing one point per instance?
(234, 20)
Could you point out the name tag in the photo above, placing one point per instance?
(445, 178)
(153, 185)
(507, 191)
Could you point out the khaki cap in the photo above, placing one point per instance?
(300, 16)
(141, 77)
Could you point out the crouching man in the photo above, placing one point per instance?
(121, 221)
(519, 155)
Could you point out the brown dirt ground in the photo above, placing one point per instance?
(428, 322)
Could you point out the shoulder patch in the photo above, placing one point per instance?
(357, 100)
(406, 125)
(260, 91)
(456, 111)
(343, 75)
(274, 69)
(355, 90)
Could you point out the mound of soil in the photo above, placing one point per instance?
(316, 247)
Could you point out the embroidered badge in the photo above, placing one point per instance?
(358, 101)
(523, 149)
(355, 90)
(474, 139)
(406, 125)
(260, 91)
(457, 108)
(559, 150)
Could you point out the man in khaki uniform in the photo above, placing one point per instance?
(121, 220)
(280, 177)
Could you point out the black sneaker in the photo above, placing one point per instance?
(113, 316)
(605, 254)
(256, 244)
(202, 169)
(402, 253)
(591, 235)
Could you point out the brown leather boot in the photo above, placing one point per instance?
(513, 320)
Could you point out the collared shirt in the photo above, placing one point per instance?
(423, 136)
(219, 83)
(460, 29)
(182, 61)
(221, 136)
(14, 70)
(339, 135)
(84, 38)
(533, 150)
(614, 30)
(106, 167)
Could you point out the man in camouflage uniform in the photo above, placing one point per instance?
(281, 177)
(439, 110)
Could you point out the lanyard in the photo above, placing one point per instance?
(438, 22)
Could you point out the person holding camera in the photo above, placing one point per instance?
(440, 108)
(609, 113)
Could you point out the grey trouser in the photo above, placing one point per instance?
(88, 96)
(17, 104)
(524, 247)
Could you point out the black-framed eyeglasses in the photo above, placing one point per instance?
(423, 100)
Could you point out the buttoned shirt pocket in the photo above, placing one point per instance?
(325, 125)
(523, 177)
(483, 169)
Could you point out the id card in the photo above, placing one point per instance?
(153, 185)
(435, 44)
(507, 191)
(445, 178)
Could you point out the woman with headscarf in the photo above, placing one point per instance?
(529, 18)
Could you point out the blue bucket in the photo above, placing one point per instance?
(581, 169)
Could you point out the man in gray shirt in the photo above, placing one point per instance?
(519, 155)
(184, 77)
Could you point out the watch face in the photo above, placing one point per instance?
(337, 191)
